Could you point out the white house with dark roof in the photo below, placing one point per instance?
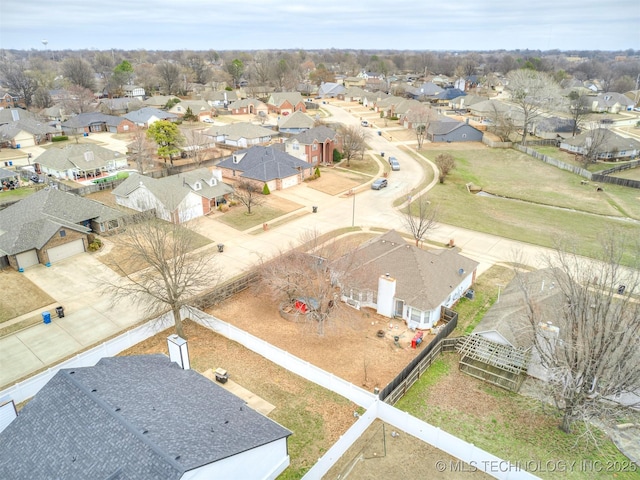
(83, 160)
(138, 418)
(612, 102)
(242, 134)
(147, 116)
(50, 226)
(608, 145)
(200, 108)
(267, 165)
(177, 198)
(400, 280)
(26, 133)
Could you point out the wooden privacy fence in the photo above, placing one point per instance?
(412, 372)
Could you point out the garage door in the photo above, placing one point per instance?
(289, 181)
(64, 251)
(27, 259)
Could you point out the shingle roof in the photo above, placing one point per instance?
(264, 164)
(31, 222)
(296, 120)
(144, 115)
(236, 131)
(424, 278)
(11, 129)
(608, 141)
(75, 156)
(316, 134)
(172, 190)
(14, 114)
(246, 102)
(85, 119)
(278, 98)
(138, 417)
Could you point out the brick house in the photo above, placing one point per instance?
(315, 145)
(285, 103)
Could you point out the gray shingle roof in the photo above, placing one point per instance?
(319, 134)
(278, 98)
(144, 115)
(296, 120)
(85, 119)
(139, 417)
(14, 114)
(74, 157)
(31, 222)
(170, 191)
(236, 131)
(424, 278)
(264, 164)
(608, 141)
(10, 130)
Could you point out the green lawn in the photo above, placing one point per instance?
(8, 196)
(508, 425)
(585, 213)
(569, 158)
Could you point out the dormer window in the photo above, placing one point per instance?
(197, 186)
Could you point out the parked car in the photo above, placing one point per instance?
(395, 165)
(207, 120)
(364, 123)
(379, 184)
(35, 178)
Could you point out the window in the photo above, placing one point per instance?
(63, 233)
(315, 146)
(296, 146)
(416, 315)
(112, 224)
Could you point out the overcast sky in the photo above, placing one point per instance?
(303, 24)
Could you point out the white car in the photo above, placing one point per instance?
(207, 120)
(364, 123)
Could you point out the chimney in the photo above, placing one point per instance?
(179, 351)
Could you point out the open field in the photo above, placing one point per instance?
(543, 203)
(511, 426)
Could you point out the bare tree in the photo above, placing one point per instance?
(420, 118)
(311, 274)
(20, 80)
(445, 163)
(420, 217)
(594, 141)
(169, 76)
(592, 356)
(578, 110)
(79, 72)
(160, 269)
(140, 150)
(249, 194)
(353, 141)
(196, 145)
(78, 99)
(533, 92)
(502, 123)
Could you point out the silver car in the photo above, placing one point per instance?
(395, 165)
(379, 184)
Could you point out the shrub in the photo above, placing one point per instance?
(317, 172)
(223, 208)
(233, 203)
(265, 189)
(59, 138)
(337, 156)
(95, 245)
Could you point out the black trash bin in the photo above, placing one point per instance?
(382, 154)
(315, 209)
(221, 247)
(60, 312)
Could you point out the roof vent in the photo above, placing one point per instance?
(460, 271)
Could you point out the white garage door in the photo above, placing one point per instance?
(289, 181)
(27, 259)
(64, 251)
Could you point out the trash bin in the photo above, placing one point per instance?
(60, 311)
(379, 133)
(221, 247)
(315, 209)
(382, 154)
(85, 134)
(46, 317)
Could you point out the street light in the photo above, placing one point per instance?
(353, 209)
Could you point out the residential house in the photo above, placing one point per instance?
(330, 90)
(261, 165)
(240, 134)
(159, 101)
(315, 145)
(134, 91)
(448, 94)
(464, 102)
(8, 115)
(611, 102)
(221, 98)
(606, 144)
(450, 130)
(395, 106)
(140, 417)
(354, 82)
(50, 225)
(283, 103)
(552, 127)
(80, 161)
(249, 106)
(95, 122)
(119, 106)
(441, 80)
(370, 100)
(147, 116)
(25, 133)
(487, 110)
(353, 94)
(371, 75)
(10, 100)
(295, 123)
(400, 280)
(200, 108)
(56, 113)
(424, 91)
(176, 198)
